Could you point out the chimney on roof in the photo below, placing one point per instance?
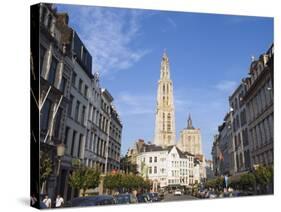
(141, 140)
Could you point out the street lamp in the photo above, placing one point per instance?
(60, 154)
(107, 143)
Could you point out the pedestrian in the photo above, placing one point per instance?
(47, 201)
(33, 199)
(59, 201)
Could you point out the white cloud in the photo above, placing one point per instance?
(172, 22)
(133, 104)
(226, 86)
(109, 35)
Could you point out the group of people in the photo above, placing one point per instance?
(47, 201)
(58, 204)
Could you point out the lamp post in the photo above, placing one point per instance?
(106, 145)
(60, 154)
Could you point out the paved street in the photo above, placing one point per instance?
(171, 197)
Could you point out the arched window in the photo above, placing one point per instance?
(163, 89)
(163, 121)
(169, 122)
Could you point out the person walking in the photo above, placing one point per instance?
(33, 200)
(47, 201)
(59, 201)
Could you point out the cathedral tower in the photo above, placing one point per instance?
(165, 133)
(190, 139)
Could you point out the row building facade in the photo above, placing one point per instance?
(76, 113)
(245, 139)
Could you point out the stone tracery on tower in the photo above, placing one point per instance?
(165, 133)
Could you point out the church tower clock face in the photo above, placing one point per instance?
(165, 133)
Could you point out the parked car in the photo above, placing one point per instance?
(91, 201)
(143, 198)
(202, 194)
(187, 191)
(42, 205)
(227, 194)
(154, 197)
(162, 195)
(241, 193)
(125, 199)
(211, 195)
(177, 192)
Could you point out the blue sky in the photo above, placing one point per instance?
(208, 53)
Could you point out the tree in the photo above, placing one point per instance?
(45, 169)
(113, 181)
(264, 175)
(219, 183)
(125, 182)
(247, 181)
(84, 178)
(127, 166)
(147, 184)
(271, 173)
(211, 183)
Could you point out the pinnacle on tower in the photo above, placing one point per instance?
(165, 56)
(165, 69)
(189, 122)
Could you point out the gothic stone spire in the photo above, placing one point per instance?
(165, 114)
(189, 122)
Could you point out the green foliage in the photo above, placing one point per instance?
(125, 181)
(84, 178)
(247, 180)
(217, 183)
(220, 182)
(270, 173)
(263, 175)
(147, 184)
(45, 167)
(127, 166)
(112, 181)
(211, 183)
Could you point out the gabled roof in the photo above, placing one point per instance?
(181, 154)
(150, 148)
(155, 148)
(188, 153)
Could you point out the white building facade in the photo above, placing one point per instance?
(166, 166)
